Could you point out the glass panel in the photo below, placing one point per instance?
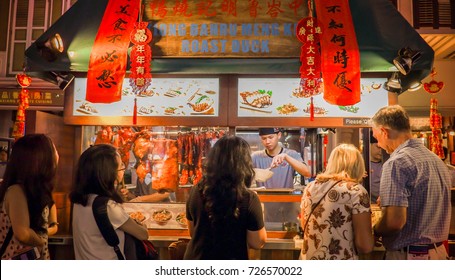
(39, 13)
(22, 13)
(21, 34)
(162, 163)
(18, 57)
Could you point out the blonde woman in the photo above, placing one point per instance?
(335, 210)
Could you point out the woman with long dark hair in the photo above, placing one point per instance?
(26, 195)
(99, 171)
(224, 216)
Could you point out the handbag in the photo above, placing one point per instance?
(27, 253)
(134, 249)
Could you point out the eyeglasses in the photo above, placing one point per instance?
(122, 168)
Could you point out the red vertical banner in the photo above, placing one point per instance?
(108, 59)
(340, 52)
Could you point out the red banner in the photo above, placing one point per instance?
(108, 59)
(340, 52)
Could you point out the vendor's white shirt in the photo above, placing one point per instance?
(89, 244)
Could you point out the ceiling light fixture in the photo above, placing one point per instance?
(415, 86)
(393, 84)
(405, 59)
(63, 79)
(51, 47)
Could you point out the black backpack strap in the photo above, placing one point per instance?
(8, 237)
(99, 209)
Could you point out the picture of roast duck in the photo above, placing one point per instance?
(256, 99)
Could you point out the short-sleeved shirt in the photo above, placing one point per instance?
(329, 233)
(89, 244)
(234, 243)
(283, 175)
(415, 178)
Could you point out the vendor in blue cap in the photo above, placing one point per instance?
(284, 163)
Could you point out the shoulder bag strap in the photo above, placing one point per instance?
(316, 205)
(99, 209)
(8, 237)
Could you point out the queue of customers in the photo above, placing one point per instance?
(225, 217)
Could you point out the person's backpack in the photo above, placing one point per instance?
(134, 249)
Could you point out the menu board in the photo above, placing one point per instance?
(178, 97)
(281, 97)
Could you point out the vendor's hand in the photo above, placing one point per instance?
(136, 199)
(278, 160)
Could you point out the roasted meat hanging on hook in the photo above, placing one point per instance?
(164, 165)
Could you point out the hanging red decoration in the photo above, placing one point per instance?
(141, 56)
(340, 59)
(433, 86)
(19, 125)
(109, 55)
(308, 32)
(436, 129)
(135, 111)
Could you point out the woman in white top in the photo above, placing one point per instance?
(99, 171)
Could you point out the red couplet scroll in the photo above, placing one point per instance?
(108, 59)
(340, 53)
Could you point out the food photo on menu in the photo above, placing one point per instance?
(268, 97)
(164, 97)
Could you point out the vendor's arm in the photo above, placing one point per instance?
(155, 197)
(17, 210)
(392, 220)
(297, 165)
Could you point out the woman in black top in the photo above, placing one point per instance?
(224, 217)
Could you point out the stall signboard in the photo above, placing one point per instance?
(37, 98)
(224, 28)
(282, 97)
(176, 97)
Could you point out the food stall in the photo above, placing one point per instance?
(186, 136)
(221, 70)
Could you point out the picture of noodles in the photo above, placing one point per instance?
(287, 109)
